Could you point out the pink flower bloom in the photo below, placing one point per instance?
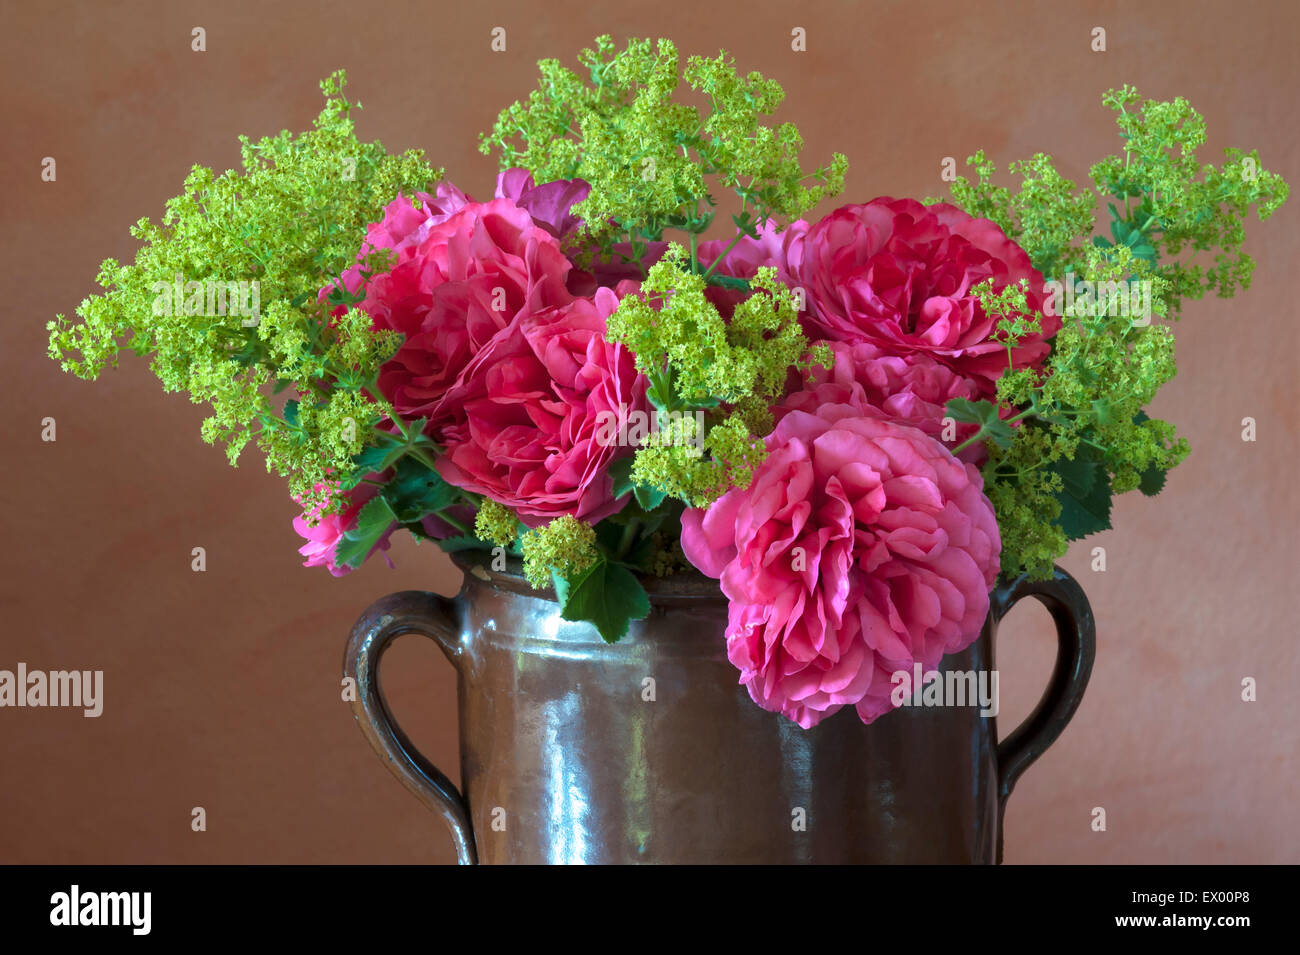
(911, 389)
(528, 428)
(464, 270)
(899, 275)
(861, 547)
(323, 539)
(548, 204)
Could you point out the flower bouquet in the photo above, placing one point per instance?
(637, 358)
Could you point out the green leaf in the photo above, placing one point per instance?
(648, 497)
(1087, 513)
(373, 522)
(621, 473)
(291, 412)
(373, 459)
(1085, 494)
(606, 595)
(341, 296)
(1101, 407)
(985, 414)
(730, 281)
(1152, 481)
(1078, 476)
(414, 491)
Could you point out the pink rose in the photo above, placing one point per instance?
(861, 547)
(323, 538)
(548, 204)
(911, 389)
(899, 275)
(464, 270)
(530, 409)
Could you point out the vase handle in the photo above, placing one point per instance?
(432, 616)
(1077, 635)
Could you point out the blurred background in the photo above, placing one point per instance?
(222, 687)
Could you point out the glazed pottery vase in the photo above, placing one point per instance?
(648, 750)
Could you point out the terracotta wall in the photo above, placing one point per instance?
(222, 686)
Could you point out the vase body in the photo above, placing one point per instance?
(649, 750)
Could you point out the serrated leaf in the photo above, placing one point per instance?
(414, 491)
(620, 472)
(648, 497)
(1152, 481)
(606, 595)
(1089, 513)
(1078, 476)
(291, 412)
(373, 522)
(372, 459)
(985, 414)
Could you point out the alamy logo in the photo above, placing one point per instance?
(212, 298)
(75, 907)
(72, 688)
(920, 687)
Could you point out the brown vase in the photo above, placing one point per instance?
(648, 750)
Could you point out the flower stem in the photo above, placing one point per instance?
(629, 535)
(730, 245)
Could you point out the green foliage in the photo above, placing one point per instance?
(1047, 216)
(604, 594)
(375, 519)
(652, 160)
(1080, 433)
(290, 222)
(1178, 207)
(985, 414)
(282, 371)
(407, 493)
(711, 379)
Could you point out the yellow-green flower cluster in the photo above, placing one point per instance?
(1185, 206)
(566, 546)
(652, 160)
(1048, 217)
(729, 371)
(691, 354)
(1083, 434)
(676, 464)
(496, 523)
(291, 221)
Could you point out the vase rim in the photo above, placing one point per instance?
(686, 587)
